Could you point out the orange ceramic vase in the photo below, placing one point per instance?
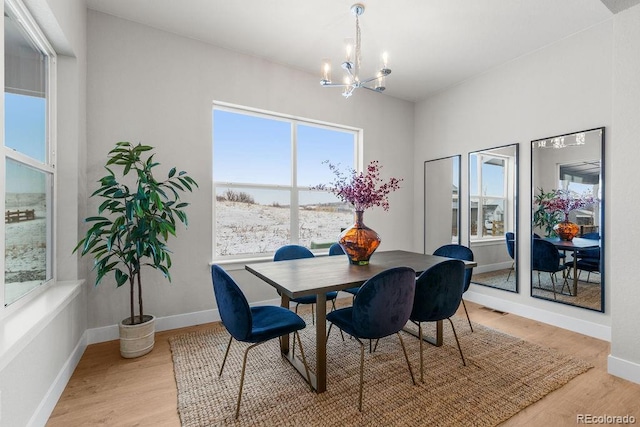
(359, 241)
(566, 229)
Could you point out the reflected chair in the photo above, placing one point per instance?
(546, 258)
(464, 253)
(255, 325)
(510, 240)
(439, 291)
(381, 308)
(336, 249)
(588, 259)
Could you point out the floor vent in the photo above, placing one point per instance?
(493, 310)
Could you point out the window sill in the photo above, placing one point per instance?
(239, 263)
(18, 329)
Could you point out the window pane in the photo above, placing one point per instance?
(26, 230)
(250, 149)
(251, 221)
(493, 170)
(493, 217)
(315, 145)
(25, 91)
(322, 218)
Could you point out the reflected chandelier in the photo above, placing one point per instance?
(351, 65)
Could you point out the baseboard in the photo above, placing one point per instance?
(48, 403)
(166, 323)
(624, 369)
(492, 267)
(584, 327)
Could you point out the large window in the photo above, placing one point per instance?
(488, 190)
(27, 156)
(263, 168)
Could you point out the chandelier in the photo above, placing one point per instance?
(351, 65)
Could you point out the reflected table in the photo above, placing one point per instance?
(574, 245)
(319, 275)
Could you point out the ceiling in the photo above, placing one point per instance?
(432, 44)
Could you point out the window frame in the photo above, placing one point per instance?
(294, 188)
(48, 167)
(480, 198)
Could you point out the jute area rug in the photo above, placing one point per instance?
(503, 375)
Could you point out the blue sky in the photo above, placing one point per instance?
(25, 131)
(257, 150)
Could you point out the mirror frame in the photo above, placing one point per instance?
(516, 210)
(424, 208)
(601, 230)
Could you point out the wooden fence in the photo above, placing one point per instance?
(17, 216)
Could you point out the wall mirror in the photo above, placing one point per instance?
(567, 178)
(493, 205)
(441, 202)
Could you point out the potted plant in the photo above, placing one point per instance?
(134, 222)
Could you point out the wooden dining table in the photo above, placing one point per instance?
(319, 275)
(574, 245)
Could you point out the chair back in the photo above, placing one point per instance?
(292, 252)
(439, 291)
(544, 256)
(232, 304)
(336, 249)
(383, 303)
(510, 239)
(458, 252)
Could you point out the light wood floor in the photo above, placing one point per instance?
(108, 390)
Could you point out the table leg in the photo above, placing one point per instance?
(284, 340)
(437, 341)
(321, 343)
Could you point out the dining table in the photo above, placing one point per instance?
(322, 274)
(574, 245)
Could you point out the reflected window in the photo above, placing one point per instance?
(263, 168)
(488, 177)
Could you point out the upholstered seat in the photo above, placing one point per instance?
(463, 253)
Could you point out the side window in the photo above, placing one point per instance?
(28, 162)
(263, 168)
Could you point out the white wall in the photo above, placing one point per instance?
(146, 85)
(624, 233)
(561, 88)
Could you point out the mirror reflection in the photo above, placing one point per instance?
(441, 192)
(567, 219)
(493, 183)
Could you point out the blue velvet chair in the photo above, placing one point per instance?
(289, 252)
(254, 325)
(464, 253)
(510, 240)
(336, 249)
(545, 258)
(588, 259)
(438, 294)
(381, 308)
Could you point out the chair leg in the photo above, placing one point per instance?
(467, 313)
(226, 353)
(404, 350)
(421, 357)
(512, 268)
(464, 363)
(244, 365)
(553, 283)
(361, 373)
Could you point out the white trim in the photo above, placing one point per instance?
(48, 403)
(493, 267)
(167, 323)
(20, 328)
(623, 368)
(563, 321)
